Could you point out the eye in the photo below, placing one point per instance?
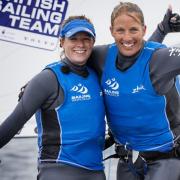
(73, 38)
(87, 39)
(134, 30)
(120, 30)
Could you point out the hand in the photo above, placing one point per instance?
(170, 22)
(109, 140)
(175, 23)
(120, 150)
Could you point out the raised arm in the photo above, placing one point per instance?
(170, 23)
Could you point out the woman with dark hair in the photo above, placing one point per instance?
(69, 110)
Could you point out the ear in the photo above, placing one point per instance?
(61, 42)
(94, 39)
(144, 29)
(111, 30)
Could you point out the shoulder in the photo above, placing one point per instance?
(166, 57)
(45, 81)
(98, 56)
(166, 52)
(154, 45)
(46, 75)
(101, 48)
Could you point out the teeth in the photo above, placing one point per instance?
(128, 45)
(79, 51)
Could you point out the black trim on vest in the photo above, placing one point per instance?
(51, 135)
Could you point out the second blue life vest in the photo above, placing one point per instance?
(137, 114)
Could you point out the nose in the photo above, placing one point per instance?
(127, 36)
(80, 43)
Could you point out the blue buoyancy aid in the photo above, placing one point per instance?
(137, 114)
(81, 120)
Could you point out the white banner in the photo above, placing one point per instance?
(34, 23)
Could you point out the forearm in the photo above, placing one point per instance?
(12, 124)
(24, 110)
(35, 95)
(157, 36)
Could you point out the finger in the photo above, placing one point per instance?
(170, 7)
(169, 11)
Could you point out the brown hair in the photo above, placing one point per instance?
(128, 8)
(70, 18)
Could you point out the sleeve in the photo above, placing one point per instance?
(173, 110)
(98, 58)
(157, 36)
(164, 69)
(36, 93)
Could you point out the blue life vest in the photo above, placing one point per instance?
(81, 120)
(137, 114)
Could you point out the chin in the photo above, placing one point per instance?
(129, 53)
(81, 62)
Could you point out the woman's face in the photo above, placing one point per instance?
(128, 33)
(78, 47)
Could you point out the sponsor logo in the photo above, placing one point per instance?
(81, 93)
(32, 23)
(113, 87)
(174, 51)
(138, 89)
(79, 88)
(112, 84)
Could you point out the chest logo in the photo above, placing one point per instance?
(112, 83)
(80, 88)
(81, 93)
(112, 87)
(138, 89)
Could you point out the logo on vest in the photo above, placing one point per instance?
(174, 51)
(113, 87)
(138, 88)
(81, 93)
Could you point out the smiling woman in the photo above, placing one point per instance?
(77, 46)
(67, 101)
(71, 133)
(128, 29)
(144, 113)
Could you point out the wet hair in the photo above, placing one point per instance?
(127, 8)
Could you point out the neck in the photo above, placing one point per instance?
(77, 69)
(72, 65)
(125, 62)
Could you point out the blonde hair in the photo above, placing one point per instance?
(128, 8)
